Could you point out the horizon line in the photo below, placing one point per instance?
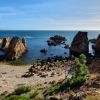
(50, 30)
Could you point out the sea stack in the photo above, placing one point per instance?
(79, 44)
(16, 49)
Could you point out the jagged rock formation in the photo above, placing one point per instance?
(16, 48)
(79, 44)
(5, 43)
(96, 47)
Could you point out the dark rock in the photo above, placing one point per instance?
(96, 47)
(92, 40)
(16, 49)
(56, 40)
(43, 51)
(80, 44)
(66, 46)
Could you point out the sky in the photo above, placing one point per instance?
(49, 14)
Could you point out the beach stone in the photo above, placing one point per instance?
(44, 75)
(52, 74)
(79, 44)
(16, 49)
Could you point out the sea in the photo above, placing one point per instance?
(37, 40)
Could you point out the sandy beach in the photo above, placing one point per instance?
(11, 77)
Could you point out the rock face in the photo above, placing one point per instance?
(79, 44)
(96, 47)
(5, 43)
(16, 48)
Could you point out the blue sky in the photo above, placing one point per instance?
(50, 14)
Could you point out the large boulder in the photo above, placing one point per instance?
(79, 44)
(5, 43)
(96, 47)
(16, 49)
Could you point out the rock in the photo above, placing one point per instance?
(95, 65)
(79, 44)
(96, 47)
(16, 49)
(5, 43)
(52, 74)
(66, 46)
(56, 40)
(92, 40)
(1, 41)
(24, 41)
(43, 51)
(43, 75)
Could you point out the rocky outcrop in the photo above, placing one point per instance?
(96, 47)
(5, 43)
(79, 44)
(16, 48)
(56, 40)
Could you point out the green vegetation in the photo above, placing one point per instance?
(81, 71)
(21, 90)
(16, 97)
(77, 79)
(25, 93)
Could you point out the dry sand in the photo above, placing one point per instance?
(11, 77)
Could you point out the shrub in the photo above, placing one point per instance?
(32, 94)
(24, 93)
(16, 97)
(77, 79)
(81, 71)
(21, 90)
